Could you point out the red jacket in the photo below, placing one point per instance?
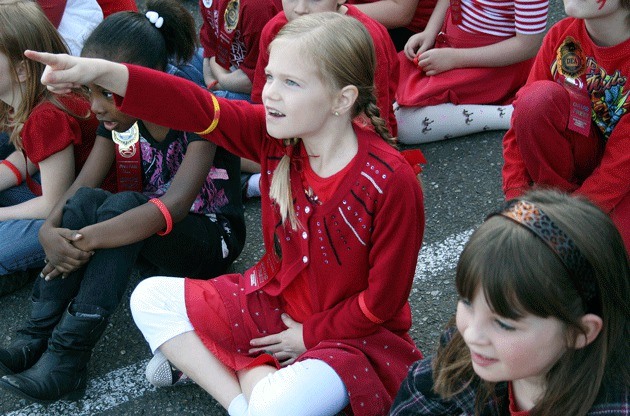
(252, 17)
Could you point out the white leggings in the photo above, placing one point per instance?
(418, 125)
(310, 387)
(158, 307)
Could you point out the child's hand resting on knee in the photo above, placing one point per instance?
(285, 346)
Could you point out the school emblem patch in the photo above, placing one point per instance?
(570, 59)
(231, 15)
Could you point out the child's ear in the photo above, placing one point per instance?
(20, 69)
(591, 327)
(345, 100)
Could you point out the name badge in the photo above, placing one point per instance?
(580, 106)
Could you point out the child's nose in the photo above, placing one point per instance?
(96, 106)
(473, 333)
(270, 91)
(301, 7)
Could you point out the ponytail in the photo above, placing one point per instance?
(166, 32)
(178, 29)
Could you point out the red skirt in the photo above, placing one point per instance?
(225, 319)
(484, 85)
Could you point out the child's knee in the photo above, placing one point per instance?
(307, 387)
(540, 100)
(119, 203)
(80, 209)
(263, 401)
(143, 294)
(83, 202)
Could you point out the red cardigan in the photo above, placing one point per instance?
(359, 249)
(373, 225)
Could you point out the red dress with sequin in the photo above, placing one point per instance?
(355, 255)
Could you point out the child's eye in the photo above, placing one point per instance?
(504, 326)
(268, 77)
(107, 94)
(291, 83)
(465, 301)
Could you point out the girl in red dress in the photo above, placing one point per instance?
(460, 74)
(321, 322)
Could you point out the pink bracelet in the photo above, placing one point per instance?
(167, 216)
(14, 169)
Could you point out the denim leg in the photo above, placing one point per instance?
(15, 195)
(230, 95)
(103, 280)
(6, 148)
(19, 245)
(79, 211)
(191, 70)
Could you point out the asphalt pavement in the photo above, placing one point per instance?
(462, 183)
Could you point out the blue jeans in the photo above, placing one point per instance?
(230, 95)
(6, 148)
(193, 248)
(192, 70)
(19, 246)
(19, 243)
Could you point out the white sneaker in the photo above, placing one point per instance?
(161, 373)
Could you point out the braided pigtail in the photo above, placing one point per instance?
(374, 113)
(280, 189)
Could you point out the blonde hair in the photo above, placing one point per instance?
(520, 275)
(342, 51)
(23, 25)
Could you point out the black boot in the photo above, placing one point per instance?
(61, 372)
(31, 341)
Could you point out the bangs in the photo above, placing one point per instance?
(512, 267)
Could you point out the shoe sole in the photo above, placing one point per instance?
(152, 371)
(5, 371)
(71, 396)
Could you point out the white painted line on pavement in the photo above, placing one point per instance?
(111, 390)
(441, 256)
(127, 383)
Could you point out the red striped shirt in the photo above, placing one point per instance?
(504, 18)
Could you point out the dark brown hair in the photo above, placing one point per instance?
(520, 275)
(130, 37)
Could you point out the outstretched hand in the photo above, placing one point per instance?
(285, 346)
(64, 72)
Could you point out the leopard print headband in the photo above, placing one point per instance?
(580, 270)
